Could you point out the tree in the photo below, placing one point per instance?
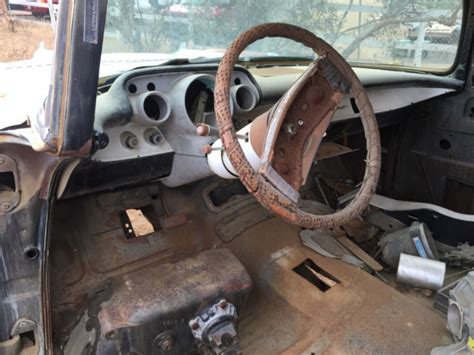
(398, 12)
(215, 23)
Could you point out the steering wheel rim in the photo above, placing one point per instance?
(260, 187)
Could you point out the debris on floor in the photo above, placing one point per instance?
(460, 318)
(324, 243)
(360, 230)
(421, 272)
(461, 256)
(414, 240)
(361, 254)
(383, 221)
(441, 298)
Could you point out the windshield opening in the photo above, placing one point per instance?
(416, 34)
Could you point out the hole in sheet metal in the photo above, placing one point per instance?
(31, 253)
(7, 181)
(444, 144)
(317, 276)
(132, 88)
(136, 223)
(150, 86)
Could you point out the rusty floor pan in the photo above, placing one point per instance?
(288, 314)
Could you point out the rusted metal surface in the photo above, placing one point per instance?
(140, 306)
(173, 286)
(174, 221)
(284, 311)
(360, 315)
(308, 114)
(269, 196)
(23, 240)
(90, 247)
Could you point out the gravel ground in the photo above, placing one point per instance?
(21, 36)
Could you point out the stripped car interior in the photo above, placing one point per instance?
(229, 206)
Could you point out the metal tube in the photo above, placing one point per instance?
(420, 272)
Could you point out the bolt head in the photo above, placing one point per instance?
(103, 140)
(111, 335)
(290, 129)
(167, 344)
(222, 304)
(195, 325)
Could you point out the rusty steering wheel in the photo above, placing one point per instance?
(294, 127)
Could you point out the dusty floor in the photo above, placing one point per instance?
(284, 313)
(360, 315)
(20, 38)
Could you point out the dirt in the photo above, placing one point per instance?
(20, 38)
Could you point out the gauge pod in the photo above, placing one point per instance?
(244, 98)
(152, 108)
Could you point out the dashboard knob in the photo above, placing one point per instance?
(155, 138)
(130, 140)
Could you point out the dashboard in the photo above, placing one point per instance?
(164, 112)
(147, 118)
(151, 111)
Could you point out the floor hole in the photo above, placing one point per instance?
(136, 222)
(317, 276)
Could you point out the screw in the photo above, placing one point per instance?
(167, 343)
(2, 161)
(300, 122)
(111, 335)
(222, 304)
(6, 206)
(290, 129)
(195, 325)
(226, 339)
(204, 349)
(304, 107)
(102, 140)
